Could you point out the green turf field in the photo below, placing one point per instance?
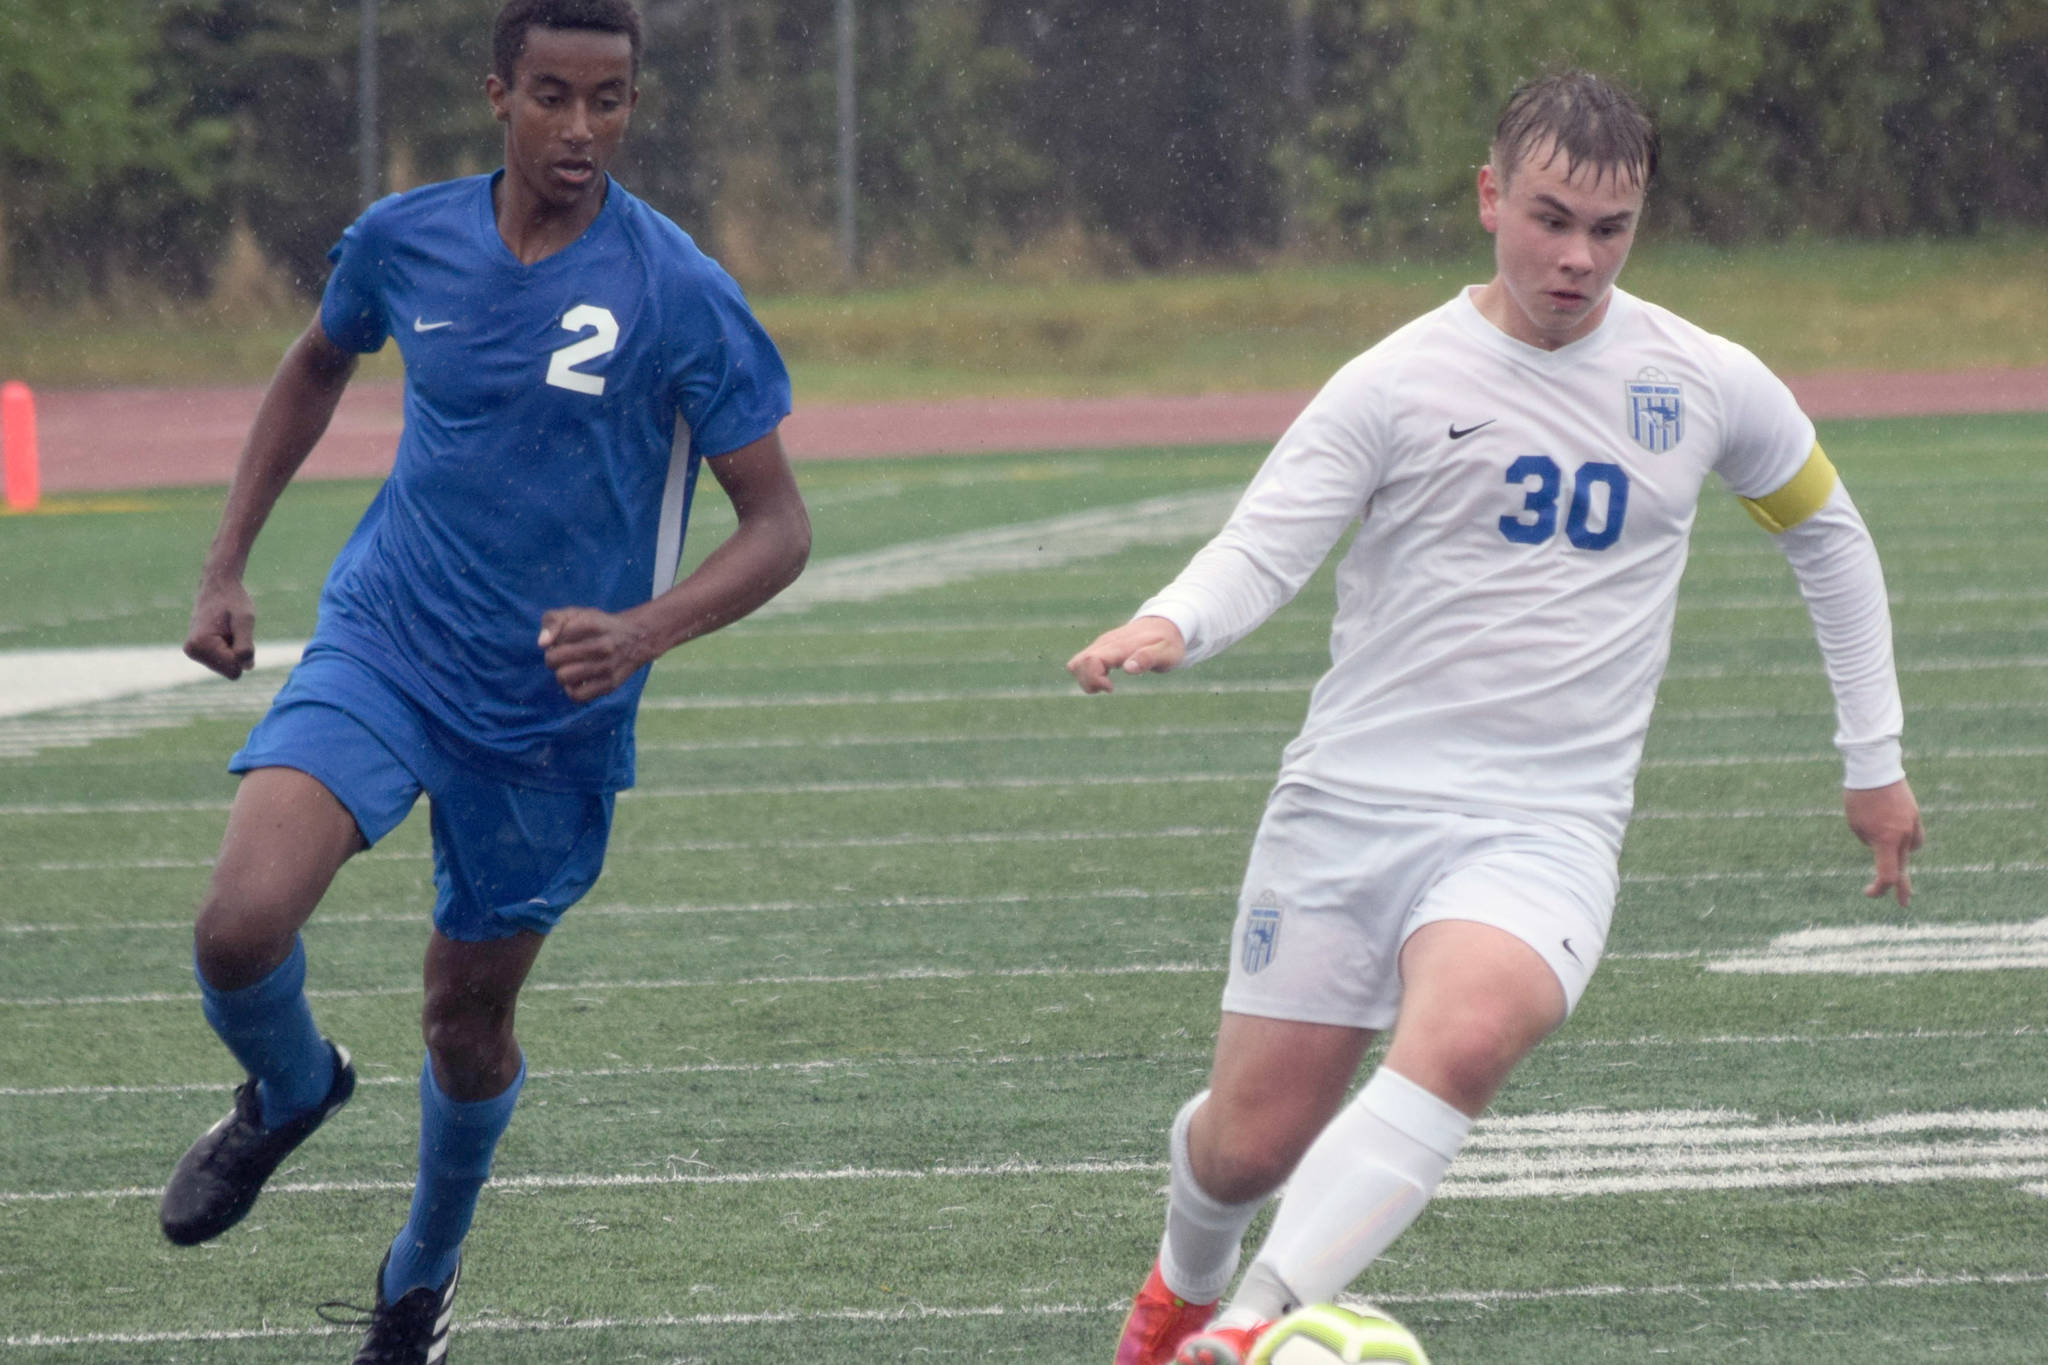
(863, 1048)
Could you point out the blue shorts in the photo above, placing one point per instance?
(506, 858)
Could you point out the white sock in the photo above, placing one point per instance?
(1361, 1183)
(1198, 1255)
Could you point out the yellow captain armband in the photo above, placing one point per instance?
(1797, 500)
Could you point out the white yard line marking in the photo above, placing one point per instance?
(1049, 543)
(1168, 685)
(45, 679)
(878, 785)
(878, 740)
(623, 847)
(636, 794)
(1705, 1292)
(1193, 682)
(1721, 713)
(1701, 1293)
(906, 974)
(2023, 948)
(2010, 868)
(78, 725)
(1789, 1039)
(2013, 751)
(1831, 812)
(467, 1327)
(25, 737)
(1844, 874)
(1535, 1156)
(860, 1066)
(545, 1074)
(1959, 664)
(617, 911)
(1900, 601)
(630, 848)
(30, 736)
(50, 679)
(637, 1180)
(923, 625)
(1883, 949)
(969, 838)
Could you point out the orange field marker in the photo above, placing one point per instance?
(22, 469)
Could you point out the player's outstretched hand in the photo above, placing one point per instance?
(222, 633)
(1150, 644)
(592, 652)
(1887, 819)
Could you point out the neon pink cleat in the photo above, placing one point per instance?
(1160, 1320)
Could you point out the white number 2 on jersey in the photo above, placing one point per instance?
(561, 368)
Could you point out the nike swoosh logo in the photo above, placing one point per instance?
(1460, 433)
(1568, 949)
(422, 325)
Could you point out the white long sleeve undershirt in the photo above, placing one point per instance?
(1835, 562)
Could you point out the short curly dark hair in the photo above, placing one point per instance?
(508, 30)
(1589, 119)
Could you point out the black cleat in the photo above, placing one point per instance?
(217, 1180)
(413, 1331)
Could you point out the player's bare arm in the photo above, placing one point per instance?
(294, 413)
(1887, 820)
(1150, 644)
(594, 652)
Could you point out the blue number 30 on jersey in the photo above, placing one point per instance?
(1599, 493)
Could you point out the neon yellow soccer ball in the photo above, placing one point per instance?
(1330, 1334)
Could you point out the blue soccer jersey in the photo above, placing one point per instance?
(555, 416)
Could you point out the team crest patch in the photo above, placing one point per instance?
(1261, 934)
(1656, 411)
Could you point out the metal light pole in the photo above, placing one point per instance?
(849, 241)
(369, 173)
(1300, 113)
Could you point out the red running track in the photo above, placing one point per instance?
(150, 438)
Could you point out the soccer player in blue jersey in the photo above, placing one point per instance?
(484, 636)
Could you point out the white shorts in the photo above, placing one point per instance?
(1334, 888)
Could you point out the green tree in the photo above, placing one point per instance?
(943, 173)
(1834, 116)
(1159, 117)
(100, 155)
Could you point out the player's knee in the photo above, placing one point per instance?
(1244, 1158)
(463, 1031)
(236, 945)
(1464, 1059)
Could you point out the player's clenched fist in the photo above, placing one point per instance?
(1150, 644)
(222, 633)
(592, 652)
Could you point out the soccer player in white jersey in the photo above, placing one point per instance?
(1439, 853)
(572, 361)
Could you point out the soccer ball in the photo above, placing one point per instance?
(1330, 1334)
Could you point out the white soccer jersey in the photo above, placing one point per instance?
(1504, 612)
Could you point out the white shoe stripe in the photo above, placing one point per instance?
(437, 1347)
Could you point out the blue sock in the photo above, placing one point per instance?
(269, 1027)
(456, 1143)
